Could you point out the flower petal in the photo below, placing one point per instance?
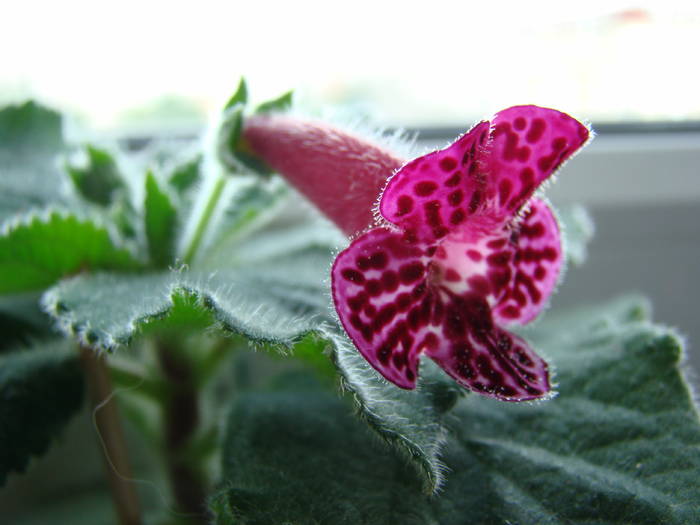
(537, 265)
(380, 293)
(435, 194)
(528, 144)
(485, 358)
(470, 261)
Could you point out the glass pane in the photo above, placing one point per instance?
(438, 63)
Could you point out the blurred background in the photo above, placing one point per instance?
(141, 69)
(629, 67)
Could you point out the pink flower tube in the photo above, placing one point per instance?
(463, 250)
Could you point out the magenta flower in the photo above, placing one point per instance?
(463, 248)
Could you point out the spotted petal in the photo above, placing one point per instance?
(484, 357)
(528, 144)
(380, 293)
(537, 263)
(435, 194)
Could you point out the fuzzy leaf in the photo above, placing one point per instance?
(30, 140)
(619, 444)
(40, 389)
(38, 252)
(277, 294)
(99, 178)
(300, 457)
(160, 218)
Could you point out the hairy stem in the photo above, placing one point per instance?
(204, 219)
(181, 420)
(106, 419)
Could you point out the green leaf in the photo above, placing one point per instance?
(99, 179)
(185, 176)
(619, 444)
(277, 294)
(281, 103)
(30, 140)
(240, 96)
(41, 250)
(160, 218)
(40, 389)
(300, 457)
(30, 128)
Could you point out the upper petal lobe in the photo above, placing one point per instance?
(528, 144)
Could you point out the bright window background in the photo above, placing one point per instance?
(127, 65)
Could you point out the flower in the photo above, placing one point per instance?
(462, 248)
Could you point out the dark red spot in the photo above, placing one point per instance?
(519, 297)
(403, 301)
(399, 360)
(479, 284)
(370, 310)
(540, 273)
(404, 205)
(456, 197)
(419, 290)
(430, 341)
(484, 365)
(453, 180)
(536, 130)
(390, 281)
(457, 216)
(504, 189)
(475, 201)
(500, 279)
(356, 303)
(440, 232)
(500, 129)
(352, 275)
(378, 260)
(527, 177)
(362, 263)
(425, 188)
(499, 258)
(496, 244)
(549, 253)
(430, 251)
(367, 333)
(474, 255)
(384, 317)
(356, 322)
(520, 123)
(452, 275)
(545, 163)
(523, 154)
(532, 231)
(411, 272)
(373, 287)
(523, 358)
(410, 375)
(448, 164)
(432, 213)
(511, 147)
(510, 311)
(558, 143)
(383, 354)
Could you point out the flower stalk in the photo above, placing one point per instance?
(115, 453)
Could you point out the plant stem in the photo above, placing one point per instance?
(204, 219)
(181, 420)
(116, 458)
